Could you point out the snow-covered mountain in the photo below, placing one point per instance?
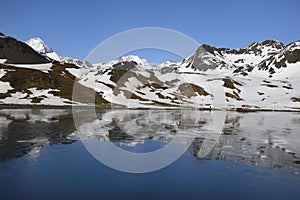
(40, 47)
(43, 49)
(208, 57)
(14, 51)
(263, 75)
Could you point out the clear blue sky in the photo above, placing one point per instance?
(74, 28)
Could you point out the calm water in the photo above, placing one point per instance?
(257, 156)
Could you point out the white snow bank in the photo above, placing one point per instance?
(45, 67)
(2, 61)
(4, 86)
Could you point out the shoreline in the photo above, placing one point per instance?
(240, 110)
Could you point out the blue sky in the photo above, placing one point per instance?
(74, 28)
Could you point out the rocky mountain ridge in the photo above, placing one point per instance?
(264, 75)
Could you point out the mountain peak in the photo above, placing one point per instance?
(39, 45)
(133, 58)
(271, 41)
(208, 48)
(295, 44)
(268, 43)
(15, 51)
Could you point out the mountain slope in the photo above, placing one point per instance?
(246, 84)
(15, 51)
(264, 75)
(40, 47)
(29, 85)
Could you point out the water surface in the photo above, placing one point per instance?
(255, 157)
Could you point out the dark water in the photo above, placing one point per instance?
(257, 156)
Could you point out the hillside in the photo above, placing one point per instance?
(263, 75)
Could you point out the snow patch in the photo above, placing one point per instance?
(2, 61)
(4, 86)
(42, 67)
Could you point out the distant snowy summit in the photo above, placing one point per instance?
(40, 47)
(18, 52)
(262, 76)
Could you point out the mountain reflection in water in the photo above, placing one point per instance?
(261, 139)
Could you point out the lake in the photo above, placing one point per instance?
(44, 156)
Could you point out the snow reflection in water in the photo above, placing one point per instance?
(262, 139)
